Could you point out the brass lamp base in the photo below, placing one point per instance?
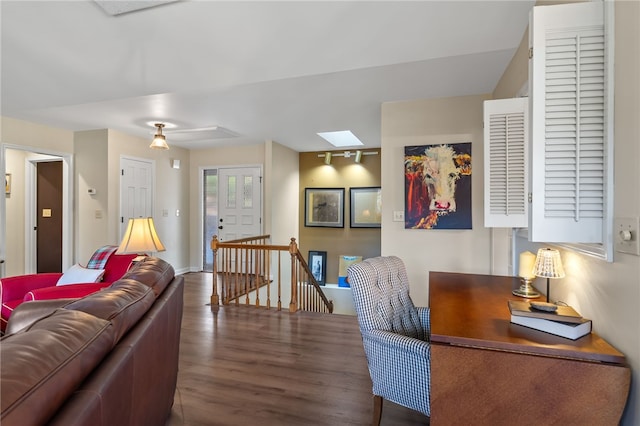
(526, 289)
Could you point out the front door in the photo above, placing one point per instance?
(240, 203)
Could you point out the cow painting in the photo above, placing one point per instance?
(438, 186)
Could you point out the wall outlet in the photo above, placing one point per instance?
(398, 216)
(625, 233)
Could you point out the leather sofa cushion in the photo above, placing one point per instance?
(123, 303)
(153, 272)
(60, 350)
(27, 313)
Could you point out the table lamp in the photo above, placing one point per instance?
(140, 238)
(548, 265)
(525, 271)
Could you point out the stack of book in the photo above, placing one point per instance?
(564, 321)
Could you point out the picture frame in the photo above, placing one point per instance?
(365, 207)
(318, 265)
(7, 183)
(324, 207)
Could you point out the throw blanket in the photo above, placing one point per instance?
(100, 257)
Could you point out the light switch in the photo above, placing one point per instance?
(98, 214)
(398, 216)
(165, 213)
(625, 233)
(46, 212)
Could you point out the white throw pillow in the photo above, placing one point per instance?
(79, 274)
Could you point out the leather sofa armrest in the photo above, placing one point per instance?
(14, 288)
(28, 313)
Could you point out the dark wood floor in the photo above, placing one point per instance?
(250, 366)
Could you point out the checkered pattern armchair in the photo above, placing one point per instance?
(395, 334)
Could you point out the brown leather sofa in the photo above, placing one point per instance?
(110, 358)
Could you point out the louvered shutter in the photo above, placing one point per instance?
(568, 98)
(506, 163)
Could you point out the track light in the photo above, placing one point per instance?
(327, 158)
(159, 141)
(357, 155)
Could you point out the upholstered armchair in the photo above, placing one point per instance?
(395, 334)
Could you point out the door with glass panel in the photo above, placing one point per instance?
(232, 206)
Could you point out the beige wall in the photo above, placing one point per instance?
(608, 293)
(171, 194)
(27, 139)
(91, 150)
(423, 122)
(15, 228)
(281, 184)
(341, 173)
(97, 163)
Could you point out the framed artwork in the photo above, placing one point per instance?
(437, 186)
(366, 207)
(7, 183)
(318, 265)
(324, 207)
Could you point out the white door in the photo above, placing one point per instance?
(240, 203)
(136, 190)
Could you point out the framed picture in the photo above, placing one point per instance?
(366, 207)
(7, 183)
(318, 265)
(324, 207)
(437, 186)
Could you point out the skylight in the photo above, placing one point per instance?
(341, 138)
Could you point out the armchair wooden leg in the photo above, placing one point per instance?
(377, 410)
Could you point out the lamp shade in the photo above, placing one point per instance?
(548, 264)
(159, 141)
(140, 237)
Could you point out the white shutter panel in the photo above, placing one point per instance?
(568, 123)
(506, 163)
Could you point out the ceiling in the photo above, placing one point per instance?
(240, 72)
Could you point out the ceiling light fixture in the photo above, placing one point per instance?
(159, 141)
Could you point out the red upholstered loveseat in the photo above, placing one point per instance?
(24, 288)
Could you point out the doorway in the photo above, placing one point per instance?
(48, 214)
(18, 244)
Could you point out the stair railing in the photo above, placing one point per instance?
(250, 271)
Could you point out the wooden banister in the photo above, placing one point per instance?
(250, 268)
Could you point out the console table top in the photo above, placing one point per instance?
(471, 310)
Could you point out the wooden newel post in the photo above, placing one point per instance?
(215, 299)
(293, 249)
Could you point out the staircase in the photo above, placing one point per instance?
(252, 272)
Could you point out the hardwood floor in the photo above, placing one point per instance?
(245, 365)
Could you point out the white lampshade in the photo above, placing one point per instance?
(548, 264)
(140, 237)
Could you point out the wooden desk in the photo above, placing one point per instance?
(485, 370)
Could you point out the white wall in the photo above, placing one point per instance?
(422, 122)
